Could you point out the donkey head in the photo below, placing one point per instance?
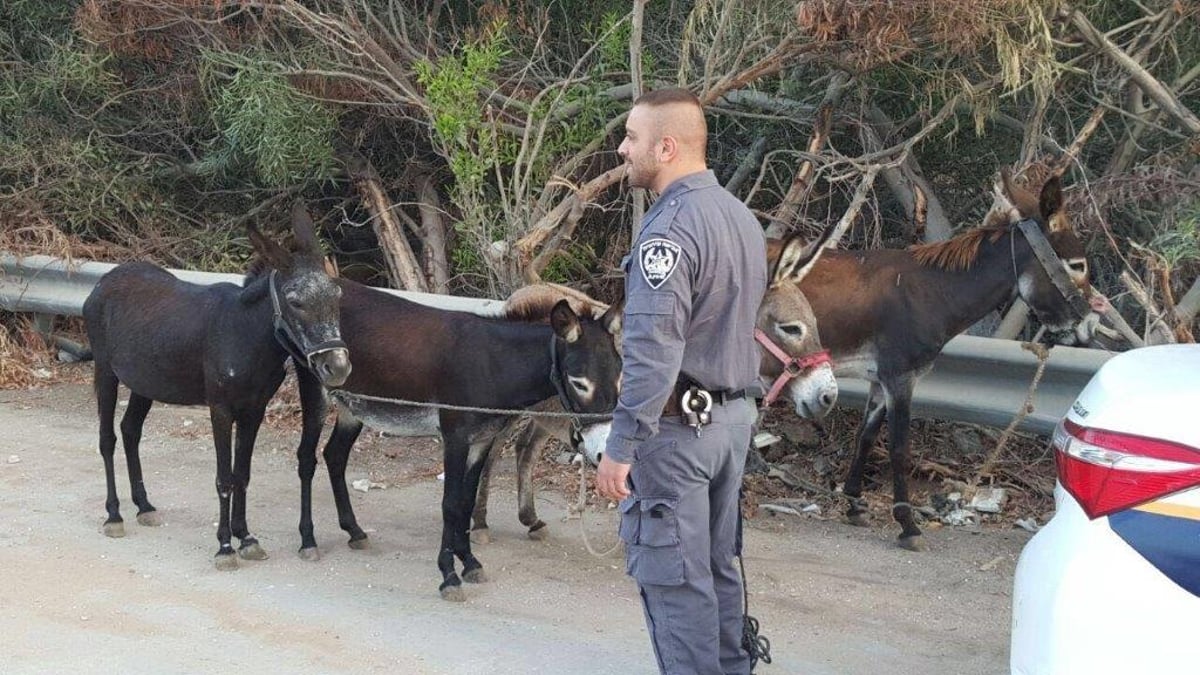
(587, 367)
(305, 300)
(1063, 324)
(793, 358)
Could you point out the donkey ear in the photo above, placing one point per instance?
(1050, 204)
(275, 255)
(304, 229)
(565, 321)
(612, 319)
(331, 267)
(798, 257)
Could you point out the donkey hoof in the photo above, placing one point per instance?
(225, 562)
(475, 576)
(861, 519)
(311, 554)
(912, 543)
(252, 551)
(538, 531)
(150, 518)
(481, 536)
(359, 543)
(114, 529)
(451, 590)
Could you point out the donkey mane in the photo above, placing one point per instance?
(533, 303)
(958, 253)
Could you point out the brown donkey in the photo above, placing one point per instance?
(785, 320)
(886, 314)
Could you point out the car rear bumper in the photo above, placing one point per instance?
(1085, 602)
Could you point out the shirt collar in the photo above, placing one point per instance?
(687, 183)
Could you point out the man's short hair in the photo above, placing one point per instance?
(660, 97)
(676, 95)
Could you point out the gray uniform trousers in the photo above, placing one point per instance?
(680, 528)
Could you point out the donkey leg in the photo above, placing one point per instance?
(898, 418)
(131, 438)
(222, 426)
(868, 433)
(104, 381)
(312, 411)
(337, 453)
(479, 526)
(529, 450)
(454, 461)
(247, 431)
(476, 458)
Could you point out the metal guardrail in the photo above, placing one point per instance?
(975, 379)
(46, 285)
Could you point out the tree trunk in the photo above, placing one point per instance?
(793, 201)
(403, 270)
(907, 183)
(638, 195)
(434, 236)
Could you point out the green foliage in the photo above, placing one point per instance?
(1180, 244)
(285, 136)
(611, 35)
(31, 28)
(453, 86)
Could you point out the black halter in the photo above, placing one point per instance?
(1052, 264)
(288, 339)
(556, 377)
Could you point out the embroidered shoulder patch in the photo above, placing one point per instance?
(658, 258)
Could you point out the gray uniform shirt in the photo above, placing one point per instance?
(693, 284)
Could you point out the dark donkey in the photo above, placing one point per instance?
(404, 350)
(224, 346)
(795, 362)
(886, 314)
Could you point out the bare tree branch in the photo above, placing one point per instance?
(1153, 88)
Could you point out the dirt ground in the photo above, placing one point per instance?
(833, 599)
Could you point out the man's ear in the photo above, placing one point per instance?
(670, 148)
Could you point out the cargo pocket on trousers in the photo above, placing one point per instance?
(650, 529)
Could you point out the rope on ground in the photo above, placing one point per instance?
(581, 508)
(1042, 353)
(758, 646)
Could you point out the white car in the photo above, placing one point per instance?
(1112, 583)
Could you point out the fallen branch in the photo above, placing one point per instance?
(1114, 319)
(1142, 77)
(860, 196)
(1157, 330)
(546, 225)
(402, 265)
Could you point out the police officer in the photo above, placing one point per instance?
(693, 283)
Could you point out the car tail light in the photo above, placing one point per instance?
(1107, 471)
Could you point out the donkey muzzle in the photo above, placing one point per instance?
(594, 438)
(332, 366)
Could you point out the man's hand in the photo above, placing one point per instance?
(610, 479)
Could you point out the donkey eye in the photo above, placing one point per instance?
(792, 329)
(1078, 266)
(295, 302)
